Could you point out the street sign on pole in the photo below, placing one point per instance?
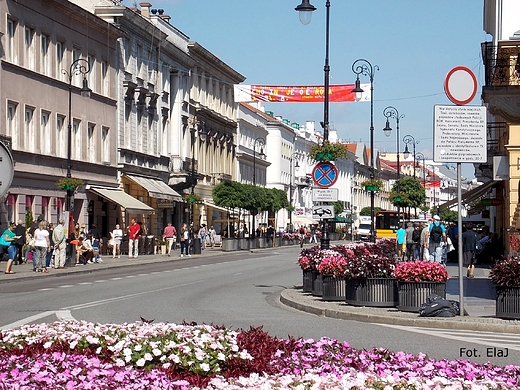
(322, 212)
(325, 194)
(325, 174)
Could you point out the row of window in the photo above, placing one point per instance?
(47, 135)
(42, 60)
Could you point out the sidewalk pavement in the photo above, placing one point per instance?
(479, 303)
(25, 270)
(479, 293)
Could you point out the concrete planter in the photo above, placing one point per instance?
(308, 277)
(333, 288)
(229, 245)
(243, 244)
(317, 285)
(508, 303)
(413, 294)
(371, 292)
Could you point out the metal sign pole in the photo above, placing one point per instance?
(459, 241)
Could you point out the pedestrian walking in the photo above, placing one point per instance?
(185, 240)
(437, 240)
(116, 236)
(42, 246)
(20, 242)
(212, 233)
(169, 235)
(401, 241)
(133, 238)
(203, 233)
(469, 244)
(60, 245)
(50, 253)
(8, 246)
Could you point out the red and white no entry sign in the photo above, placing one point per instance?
(460, 85)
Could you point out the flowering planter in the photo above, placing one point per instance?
(308, 277)
(317, 285)
(508, 302)
(371, 292)
(411, 295)
(333, 288)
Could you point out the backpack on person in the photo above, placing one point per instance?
(436, 233)
(416, 235)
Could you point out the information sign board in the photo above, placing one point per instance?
(325, 194)
(460, 134)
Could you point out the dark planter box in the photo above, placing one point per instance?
(371, 292)
(229, 244)
(333, 288)
(317, 285)
(308, 277)
(508, 303)
(413, 294)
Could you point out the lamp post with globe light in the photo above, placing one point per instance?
(363, 67)
(305, 10)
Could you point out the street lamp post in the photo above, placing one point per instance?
(408, 139)
(260, 141)
(362, 66)
(305, 10)
(77, 67)
(296, 166)
(391, 112)
(419, 156)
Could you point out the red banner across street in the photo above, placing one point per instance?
(300, 94)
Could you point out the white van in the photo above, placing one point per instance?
(364, 228)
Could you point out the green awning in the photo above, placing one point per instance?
(339, 218)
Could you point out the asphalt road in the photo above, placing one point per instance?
(238, 290)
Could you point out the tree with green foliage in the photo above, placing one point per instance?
(449, 215)
(411, 193)
(338, 207)
(28, 219)
(365, 211)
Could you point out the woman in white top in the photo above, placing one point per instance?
(42, 246)
(117, 237)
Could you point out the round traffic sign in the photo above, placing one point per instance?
(325, 174)
(460, 85)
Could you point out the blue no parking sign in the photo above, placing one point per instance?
(325, 174)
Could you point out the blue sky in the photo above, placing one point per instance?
(415, 43)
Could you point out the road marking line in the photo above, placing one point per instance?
(28, 320)
(64, 315)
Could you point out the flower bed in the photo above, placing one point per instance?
(421, 271)
(81, 355)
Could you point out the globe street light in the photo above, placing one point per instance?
(305, 10)
(391, 112)
(408, 139)
(418, 157)
(260, 141)
(362, 66)
(77, 67)
(294, 164)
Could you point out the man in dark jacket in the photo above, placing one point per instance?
(469, 243)
(20, 242)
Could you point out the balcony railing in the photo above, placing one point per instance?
(495, 130)
(502, 64)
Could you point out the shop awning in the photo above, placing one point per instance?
(470, 195)
(340, 219)
(214, 206)
(130, 204)
(156, 188)
(303, 220)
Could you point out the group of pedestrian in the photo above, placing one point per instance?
(423, 241)
(186, 238)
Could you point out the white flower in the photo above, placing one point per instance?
(138, 347)
(221, 356)
(141, 362)
(148, 357)
(48, 344)
(205, 367)
(157, 352)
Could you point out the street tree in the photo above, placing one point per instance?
(408, 192)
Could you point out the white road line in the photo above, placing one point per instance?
(66, 286)
(470, 337)
(28, 320)
(84, 283)
(45, 289)
(116, 278)
(100, 281)
(64, 315)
